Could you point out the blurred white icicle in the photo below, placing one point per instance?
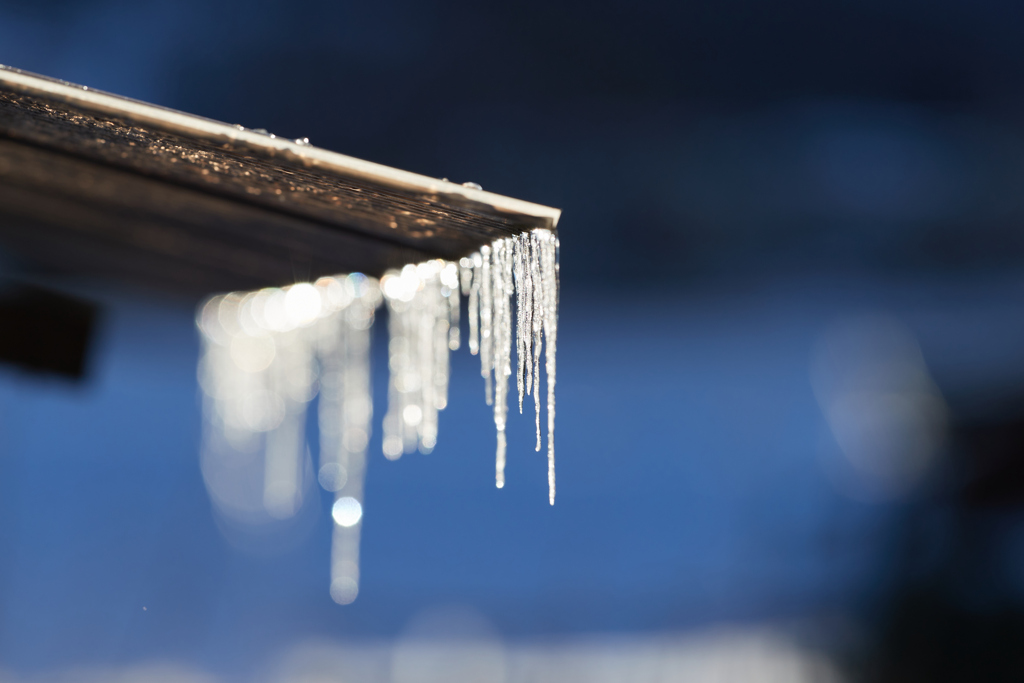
(258, 375)
(346, 410)
(422, 313)
(263, 354)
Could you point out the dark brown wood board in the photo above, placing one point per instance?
(96, 183)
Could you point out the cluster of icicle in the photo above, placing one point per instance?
(424, 307)
(266, 354)
(423, 326)
(423, 302)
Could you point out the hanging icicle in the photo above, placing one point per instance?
(422, 303)
(346, 411)
(526, 266)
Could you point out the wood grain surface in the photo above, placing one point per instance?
(99, 184)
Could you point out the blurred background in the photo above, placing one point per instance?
(791, 368)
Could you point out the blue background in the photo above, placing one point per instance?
(735, 177)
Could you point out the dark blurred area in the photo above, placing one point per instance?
(792, 389)
(736, 137)
(45, 331)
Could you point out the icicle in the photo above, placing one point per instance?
(466, 275)
(501, 291)
(450, 282)
(266, 353)
(525, 266)
(486, 320)
(525, 243)
(423, 302)
(419, 303)
(427, 323)
(346, 409)
(522, 316)
(472, 273)
(258, 374)
(537, 299)
(398, 365)
(507, 328)
(549, 282)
